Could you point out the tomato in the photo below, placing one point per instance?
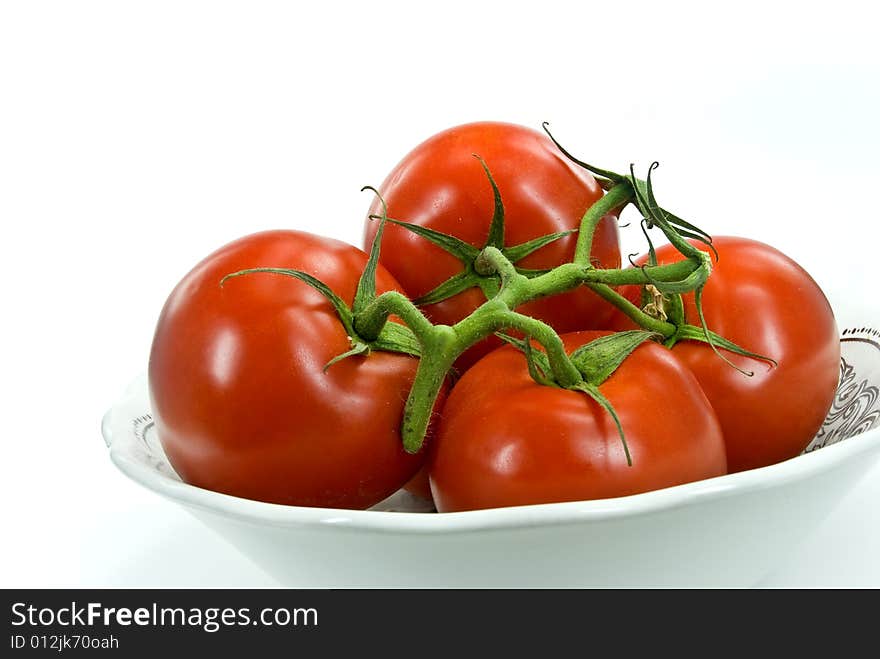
(440, 185)
(763, 301)
(240, 400)
(504, 440)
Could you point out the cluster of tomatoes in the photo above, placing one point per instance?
(246, 404)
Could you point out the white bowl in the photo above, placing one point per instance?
(726, 531)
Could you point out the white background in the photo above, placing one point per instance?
(136, 137)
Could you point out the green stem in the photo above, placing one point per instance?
(616, 197)
(518, 289)
(633, 312)
(495, 315)
(438, 356)
(564, 371)
(493, 261)
(370, 321)
(441, 345)
(681, 273)
(569, 276)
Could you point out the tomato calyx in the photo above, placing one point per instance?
(595, 361)
(642, 195)
(662, 307)
(393, 337)
(692, 333)
(471, 276)
(670, 308)
(442, 344)
(599, 359)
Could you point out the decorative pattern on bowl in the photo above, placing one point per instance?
(856, 406)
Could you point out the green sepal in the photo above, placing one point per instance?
(468, 279)
(490, 286)
(675, 228)
(519, 252)
(593, 392)
(692, 282)
(652, 251)
(539, 368)
(692, 333)
(341, 308)
(366, 288)
(684, 227)
(647, 205)
(536, 360)
(467, 253)
(395, 337)
(496, 227)
(609, 176)
(675, 310)
(464, 252)
(680, 223)
(598, 359)
(707, 334)
(453, 286)
(357, 349)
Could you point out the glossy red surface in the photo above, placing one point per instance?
(504, 440)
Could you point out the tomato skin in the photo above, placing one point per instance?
(504, 440)
(239, 397)
(440, 185)
(765, 302)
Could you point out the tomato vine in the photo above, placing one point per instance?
(507, 287)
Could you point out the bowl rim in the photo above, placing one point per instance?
(512, 517)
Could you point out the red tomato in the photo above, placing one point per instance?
(763, 301)
(504, 440)
(440, 185)
(241, 403)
